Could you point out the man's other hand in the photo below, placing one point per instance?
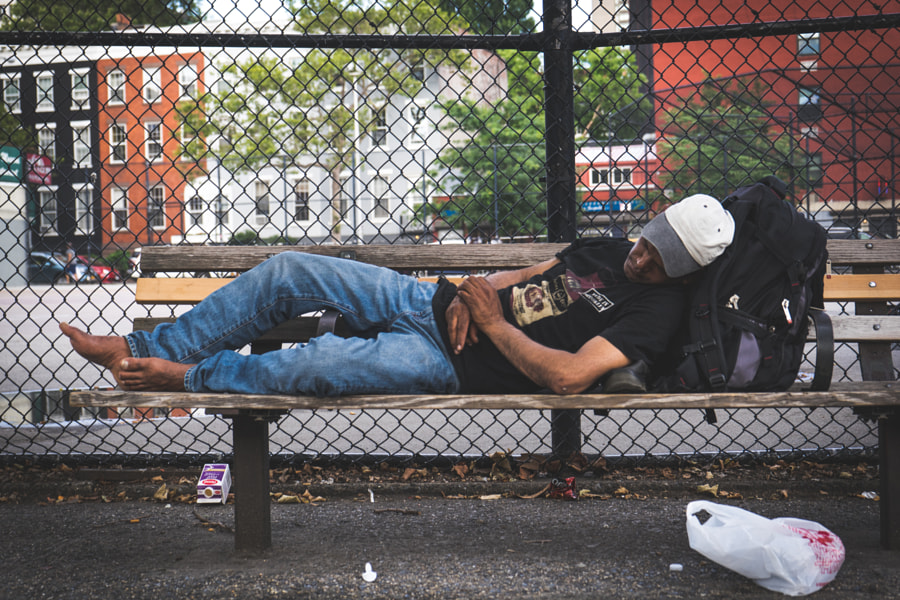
(460, 328)
(482, 301)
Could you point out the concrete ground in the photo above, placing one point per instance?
(80, 538)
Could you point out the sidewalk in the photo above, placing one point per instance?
(425, 541)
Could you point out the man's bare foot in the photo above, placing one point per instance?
(105, 350)
(152, 374)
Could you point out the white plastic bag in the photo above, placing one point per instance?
(791, 556)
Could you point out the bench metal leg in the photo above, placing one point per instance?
(252, 516)
(889, 475)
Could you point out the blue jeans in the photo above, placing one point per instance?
(398, 349)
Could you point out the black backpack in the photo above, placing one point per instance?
(747, 318)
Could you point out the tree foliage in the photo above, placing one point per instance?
(609, 102)
(498, 174)
(492, 17)
(721, 138)
(96, 15)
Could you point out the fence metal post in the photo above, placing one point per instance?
(559, 114)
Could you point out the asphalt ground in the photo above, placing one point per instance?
(88, 533)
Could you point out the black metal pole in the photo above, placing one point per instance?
(559, 114)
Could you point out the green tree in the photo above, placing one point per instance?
(498, 172)
(492, 17)
(609, 101)
(316, 109)
(13, 134)
(721, 138)
(96, 15)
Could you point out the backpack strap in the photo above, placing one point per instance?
(824, 350)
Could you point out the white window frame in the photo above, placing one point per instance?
(302, 189)
(809, 44)
(115, 90)
(220, 209)
(81, 143)
(13, 102)
(84, 215)
(118, 204)
(599, 176)
(45, 95)
(416, 115)
(380, 129)
(81, 88)
(380, 187)
(344, 183)
(611, 176)
(153, 141)
(194, 209)
(152, 89)
(47, 140)
(188, 81)
(47, 197)
(621, 175)
(116, 142)
(261, 201)
(156, 206)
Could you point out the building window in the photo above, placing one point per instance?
(814, 170)
(301, 200)
(620, 176)
(156, 211)
(808, 108)
(418, 71)
(49, 211)
(194, 211)
(599, 177)
(84, 218)
(12, 95)
(81, 144)
(81, 90)
(47, 141)
(221, 211)
(45, 91)
(119, 205)
(115, 85)
(379, 127)
(118, 143)
(417, 124)
(808, 44)
(153, 144)
(188, 82)
(261, 201)
(615, 176)
(152, 85)
(379, 187)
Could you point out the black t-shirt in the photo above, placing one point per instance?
(584, 296)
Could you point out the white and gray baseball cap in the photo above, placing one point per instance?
(690, 234)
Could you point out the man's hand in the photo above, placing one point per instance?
(482, 300)
(460, 328)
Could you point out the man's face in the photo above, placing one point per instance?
(645, 265)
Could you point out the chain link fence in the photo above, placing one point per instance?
(129, 124)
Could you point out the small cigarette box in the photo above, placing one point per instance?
(215, 481)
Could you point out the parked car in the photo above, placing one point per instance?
(104, 273)
(45, 267)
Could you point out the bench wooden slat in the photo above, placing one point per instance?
(178, 290)
(400, 257)
(436, 257)
(856, 394)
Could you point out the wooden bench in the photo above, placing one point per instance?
(866, 282)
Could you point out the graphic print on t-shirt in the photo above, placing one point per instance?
(552, 297)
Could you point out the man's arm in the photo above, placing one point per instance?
(561, 371)
(461, 330)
